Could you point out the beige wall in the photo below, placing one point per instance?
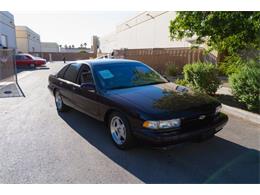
(27, 40)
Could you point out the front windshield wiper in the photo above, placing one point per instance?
(120, 87)
(123, 86)
(152, 83)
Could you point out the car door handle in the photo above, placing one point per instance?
(60, 82)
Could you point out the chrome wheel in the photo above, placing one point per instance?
(58, 101)
(118, 130)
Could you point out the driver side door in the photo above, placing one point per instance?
(86, 100)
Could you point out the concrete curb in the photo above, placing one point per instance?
(255, 118)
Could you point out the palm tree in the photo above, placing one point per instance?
(85, 44)
(81, 45)
(73, 46)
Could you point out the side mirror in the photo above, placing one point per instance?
(88, 86)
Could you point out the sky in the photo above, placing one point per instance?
(72, 28)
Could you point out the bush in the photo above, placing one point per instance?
(245, 85)
(230, 65)
(202, 77)
(181, 82)
(82, 51)
(172, 70)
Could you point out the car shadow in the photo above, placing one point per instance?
(214, 161)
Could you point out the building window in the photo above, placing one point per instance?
(4, 41)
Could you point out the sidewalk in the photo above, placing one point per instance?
(241, 113)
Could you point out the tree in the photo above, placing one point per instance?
(228, 32)
(81, 45)
(85, 44)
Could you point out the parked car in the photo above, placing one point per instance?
(136, 102)
(27, 60)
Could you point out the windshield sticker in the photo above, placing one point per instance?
(106, 74)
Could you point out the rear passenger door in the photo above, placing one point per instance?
(68, 84)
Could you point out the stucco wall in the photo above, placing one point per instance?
(49, 47)
(146, 30)
(7, 28)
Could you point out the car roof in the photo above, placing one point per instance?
(23, 54)
(96, 62)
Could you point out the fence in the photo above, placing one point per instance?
(8, 77)
(58, 56)
(7, 65)
(158, 58)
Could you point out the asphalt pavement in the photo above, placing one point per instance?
(38, 145)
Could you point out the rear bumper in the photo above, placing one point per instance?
(40, 63)
(181, 135)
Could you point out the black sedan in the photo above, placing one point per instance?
(136, 102)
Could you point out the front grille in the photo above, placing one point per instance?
(194, 122)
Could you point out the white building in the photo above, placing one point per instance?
(7, 30)
(27, 40)
(49, 47)
(149, 29)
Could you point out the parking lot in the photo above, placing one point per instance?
(38, 145)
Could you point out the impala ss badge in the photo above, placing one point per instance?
(201, 117)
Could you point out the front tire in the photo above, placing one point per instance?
(61, 107)
(120, 131)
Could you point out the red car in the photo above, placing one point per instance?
(23, 60)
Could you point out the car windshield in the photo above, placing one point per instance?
(126, 75)
(33, 57)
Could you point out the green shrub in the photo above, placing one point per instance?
(172, 70)
(82, 51)
(230, 65)
(181, 82)
(202, 77)
(245, 85)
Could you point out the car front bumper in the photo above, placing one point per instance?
(174, 136)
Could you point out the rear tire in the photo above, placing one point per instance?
(61, 107)
(32, 66)
(120, 131)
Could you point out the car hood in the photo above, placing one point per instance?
(166, 101)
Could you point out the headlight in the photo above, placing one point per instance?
(218, 109)
(162, 124)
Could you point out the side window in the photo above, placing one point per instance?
(18, 57)
(72, 72)
(85, 75)
(62, 71)
(27, 57)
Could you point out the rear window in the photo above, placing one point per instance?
(72, 72)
